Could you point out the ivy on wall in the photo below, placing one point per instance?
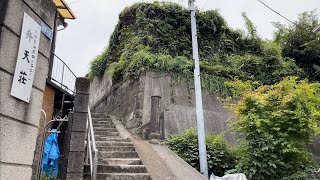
(157, 36)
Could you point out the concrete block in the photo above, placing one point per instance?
(77, 141)
(75, 162)
(8, 172)
(45, 9)
(81, 103)
(82, 85)
(41, 72)
(74, 176)
(45, 46)
(9, 44)
(17, 141)
(18, 109)
(3, 10)
(79, 121)
(14, 19)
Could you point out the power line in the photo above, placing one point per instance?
(73, 2)
(277, 12)
(314, 31)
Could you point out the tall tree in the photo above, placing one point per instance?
(300, 43)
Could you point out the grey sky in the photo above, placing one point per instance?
(89, 34)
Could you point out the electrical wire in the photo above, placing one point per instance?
(309, 30)
(277, 12)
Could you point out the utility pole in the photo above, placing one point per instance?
(198, 94)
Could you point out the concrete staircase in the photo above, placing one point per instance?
(117, 158)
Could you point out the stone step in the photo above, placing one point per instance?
(106, 133)
(102, 123)
(104, 129)
(99, 115)
(116, 148)
(112, 143)
(118, 154)
(104, 126)
(106, 138)
(101, 120)
(120, 176)
(120, 161)
(118, 169)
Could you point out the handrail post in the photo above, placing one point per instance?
(95, 165)
(91, 143)
(41, 146)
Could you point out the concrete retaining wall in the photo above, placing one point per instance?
(123, 99)
(130, 101)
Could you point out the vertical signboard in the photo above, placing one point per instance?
(27, 59)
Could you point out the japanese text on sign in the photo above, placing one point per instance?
(27, 59)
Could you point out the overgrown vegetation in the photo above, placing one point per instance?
(300, 43)
(276, 114)
(220, 158)
(276, 122)
(46, 177)
(156, 36)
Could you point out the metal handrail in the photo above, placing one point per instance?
(63, 62)
(91, 148)
(61, 75)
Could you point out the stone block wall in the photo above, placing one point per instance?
(19, 121)
(78, 129)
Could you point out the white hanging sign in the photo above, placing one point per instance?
(27, 59)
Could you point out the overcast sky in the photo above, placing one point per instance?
(88, 35)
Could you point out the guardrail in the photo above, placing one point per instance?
(92, 151)
(61, 75)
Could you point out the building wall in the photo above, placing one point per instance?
(131, 102)
(19, 121)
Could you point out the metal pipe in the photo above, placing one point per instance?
(41, 149)
(92, 147)
(95, 165)
(53, 44)
(62, 104)
(198, 94)
(90, 155)
(91, 131)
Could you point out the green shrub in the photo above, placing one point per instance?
(220, 158)
(276, 123)
(46, 177)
